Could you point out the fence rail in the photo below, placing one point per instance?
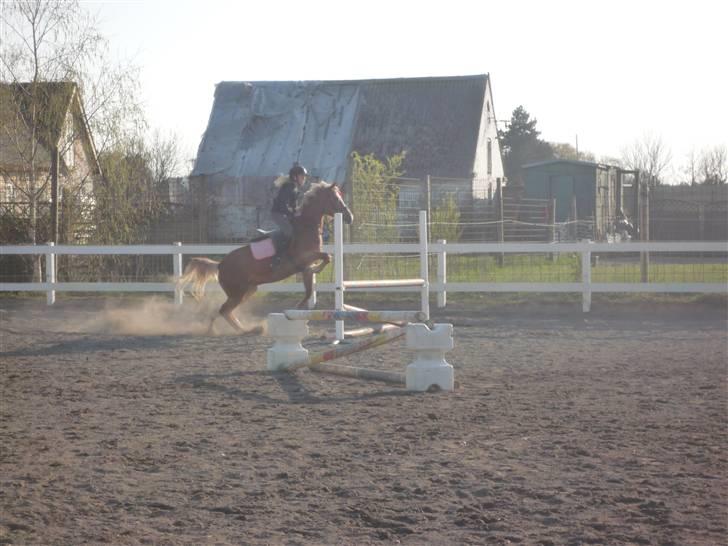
(440, 250)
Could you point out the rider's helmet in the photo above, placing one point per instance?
(296, 170)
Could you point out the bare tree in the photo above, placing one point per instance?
(164, 156)
(713, 165)
(690, 169)
(650, 156)
(57, 41)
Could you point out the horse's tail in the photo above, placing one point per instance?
(199, 272)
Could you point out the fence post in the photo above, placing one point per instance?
(701, 223)
(644, 191)
(586, 277)
(424, 265)
(177, 267)
(313, 294)
(339, 272)
(442, 275)
(50, 263)
(552, 213)
(428, 202)
(501, 222)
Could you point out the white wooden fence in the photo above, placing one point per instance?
(441, 286)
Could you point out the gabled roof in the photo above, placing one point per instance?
(261, 128)
(54, 100)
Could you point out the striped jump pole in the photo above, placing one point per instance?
(360, 373)
(363, 331)
(338, 351)
(362, 316)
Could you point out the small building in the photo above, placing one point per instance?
(46, 152)
(257, 130)
(582, 190)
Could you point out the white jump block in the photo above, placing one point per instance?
(429, 367)
(288, 335)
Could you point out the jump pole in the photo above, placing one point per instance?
(363, 316)
(316, 359)
(341, 285)
(364, 331)
(360, 373)
(390, 319)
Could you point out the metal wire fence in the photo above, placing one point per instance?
(460, 211)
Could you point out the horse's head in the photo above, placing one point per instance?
(325, 199)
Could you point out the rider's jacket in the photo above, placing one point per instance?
(285, 201)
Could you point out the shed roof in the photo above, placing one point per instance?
(261, 128)
(574, 162)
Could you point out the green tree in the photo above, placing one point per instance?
(445, 223)
(564, 150)
(520, 144)
(129, 200)
(375, 196)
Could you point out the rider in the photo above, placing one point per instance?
(284, 207)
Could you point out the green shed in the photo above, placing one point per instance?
(582, 190)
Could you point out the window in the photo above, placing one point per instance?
(409, 197)
(7, 193)
(490, 156)
(67, 145)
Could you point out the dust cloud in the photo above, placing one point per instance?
(158, 317)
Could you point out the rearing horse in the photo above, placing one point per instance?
(239, 273)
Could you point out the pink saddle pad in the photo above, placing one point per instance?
(262, 249)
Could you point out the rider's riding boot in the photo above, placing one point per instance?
(276, 260)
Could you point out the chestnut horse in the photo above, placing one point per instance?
(239, 273)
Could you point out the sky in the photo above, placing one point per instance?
(605, 73)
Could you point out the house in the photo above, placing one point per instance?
(582, 191)
(257, 130)
(47, 154)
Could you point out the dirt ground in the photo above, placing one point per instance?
(121, 422)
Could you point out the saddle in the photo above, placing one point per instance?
(263, 234)
(267, 243)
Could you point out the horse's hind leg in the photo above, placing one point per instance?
(230, 305)
(226, 311)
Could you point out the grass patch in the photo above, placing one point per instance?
(526, 268)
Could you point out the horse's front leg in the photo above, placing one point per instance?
(324, 260)
(307, 302)
(308, 273)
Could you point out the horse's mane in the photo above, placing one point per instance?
(313, 191)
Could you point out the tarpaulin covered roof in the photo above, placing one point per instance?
(261, 128)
